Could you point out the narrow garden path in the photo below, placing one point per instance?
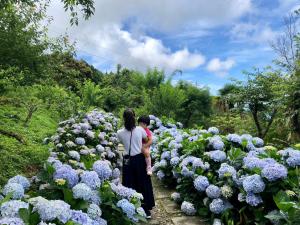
(167, 212)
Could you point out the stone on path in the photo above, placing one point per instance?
(187, 220)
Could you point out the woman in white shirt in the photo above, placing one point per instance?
(134, 174)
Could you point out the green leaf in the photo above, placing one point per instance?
(7, 198)
(24, 215)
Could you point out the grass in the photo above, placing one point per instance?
(15, 157)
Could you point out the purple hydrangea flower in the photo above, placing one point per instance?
(188, 208)
(274, 172)
(217, 206)
(253, 199)
(16, 189)
(68, 173)
(217, 156)
(226, 170)
(201, 183)
(213, 191)
(91, 179)
(20, 180)
(11, 221)
(234, 138)
(80, 141)
(213, 130)
(253, 184)
(103, 169)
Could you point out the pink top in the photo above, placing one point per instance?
(148, 132)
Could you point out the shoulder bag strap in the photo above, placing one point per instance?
(130, 142)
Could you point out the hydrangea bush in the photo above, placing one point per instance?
(80, 182)
(232, 178)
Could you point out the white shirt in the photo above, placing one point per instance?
(138, 134)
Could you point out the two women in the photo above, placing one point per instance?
(134, 173)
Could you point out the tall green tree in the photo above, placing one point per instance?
(197, 104)
(261, 94)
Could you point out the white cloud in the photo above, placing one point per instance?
(141, 53)
(252, 33)
(119, 30)
(219, 67)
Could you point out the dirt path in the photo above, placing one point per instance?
(167, 212)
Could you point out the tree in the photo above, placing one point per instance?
(226, 101)
(85, 6)
(22, 42)
(261, 95)
(167, 100)
(197, 104)
(91, 94)
(287, 47)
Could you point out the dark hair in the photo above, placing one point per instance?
(129, 119)
(144, 119)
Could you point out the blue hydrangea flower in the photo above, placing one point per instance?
(11, 208)
(213, 130)
(95, 197)
(125, 192)
(160, 174)
(74, 155)
(253, 199)
(103, 169)
(235, 138)
(213, 191)
(80, 141)
(163, 163)
(216, 143)
(258, 142)
(188, 208)
(293, 161)
(90, 134)
(201, 183)
(16, 189)
(20, 180)
(217, 156)
(250, 146)
(140, 211)
(100, 148)
(80, 217)
(198, 163)
(246, 137)
(176, 196)
(217, 206)
(292, 156)
(128, 208)
(253, 184)
(174, 161)
(11, 221)
(116, 173)
(54, 209)
(166, 155)
(68, 173)
(226, 170)
(274, 172)
(186, 172)
(94, 211)
(91, 179)
(82, 191)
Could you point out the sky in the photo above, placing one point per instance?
(210, 41)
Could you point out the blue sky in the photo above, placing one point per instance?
(210, 41)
